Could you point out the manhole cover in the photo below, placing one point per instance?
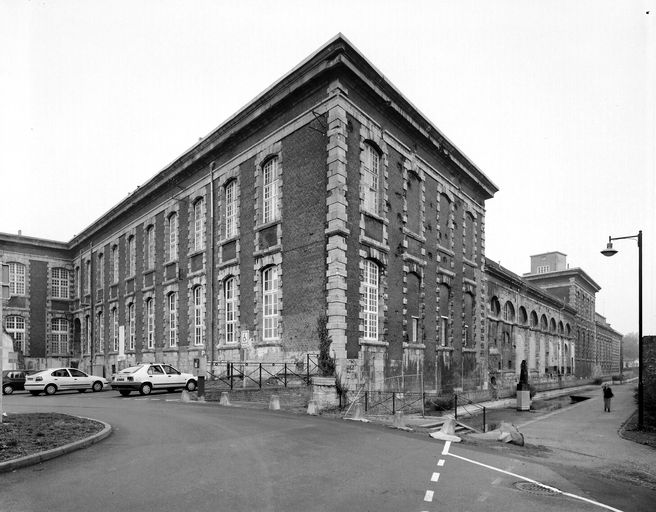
(535, 489)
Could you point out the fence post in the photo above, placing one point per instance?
(260, 383)
(285, 374)
(307, 369)
(484, 429)
(393, 402)
(366, 400)
(455, 406)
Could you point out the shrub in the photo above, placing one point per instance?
(326, 363)
(597, 381)
(439, 403)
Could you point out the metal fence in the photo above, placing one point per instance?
(260, 374)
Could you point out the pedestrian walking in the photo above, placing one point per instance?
(608, 394)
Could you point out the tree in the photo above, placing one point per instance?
(326, 363)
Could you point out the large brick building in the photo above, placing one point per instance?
(328, 196)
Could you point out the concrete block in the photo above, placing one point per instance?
(225, 398)
(274, 403)
(312, 408)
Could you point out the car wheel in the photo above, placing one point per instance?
(145, 388)
(191, 385)
(124, 392)
(97, 386)
(51, 389)
(7, 389)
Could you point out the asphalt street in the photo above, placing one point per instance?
(165, 454)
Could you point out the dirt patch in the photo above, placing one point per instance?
(25, 434)
(631, 432)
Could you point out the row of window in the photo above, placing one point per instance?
(59, 281)
(59, 333)
(509, 316)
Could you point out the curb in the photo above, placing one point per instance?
(37, 458)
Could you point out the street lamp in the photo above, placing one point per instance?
(609, 251)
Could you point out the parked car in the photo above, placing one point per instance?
(63, 379)
(13, 380)
(149, 376)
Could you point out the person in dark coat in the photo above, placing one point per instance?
(608, 394)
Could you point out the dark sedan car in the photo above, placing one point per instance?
(13, 380)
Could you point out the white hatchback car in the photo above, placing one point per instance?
(63, 379)
(147, 377)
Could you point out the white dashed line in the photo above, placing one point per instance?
(435, 477)
(440, 462)
(428, 496)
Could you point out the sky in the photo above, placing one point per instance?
(555, 101)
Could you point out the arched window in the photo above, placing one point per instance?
(114, 320)
(413, 308)
(561, 328)
(469, 236)
(173, 237)
(87, 335)
(199, 225)
(59, 336)
(231, 209)
(543, 322)
(523, 317)
(59, 283)
(114, 256)
(78, 284)
(495, 307)
(270, 190)
(16, 278)
(534, 319)
(100, 329)
(230, 297)
(131, 257)
(552, 325)
(101, 271)
(173, 318)
(444, 220)
(270, 303)
(468, 330)
(370, 284)
(199, 315)
(15, 326)
(150, 247)
(508, 312)
(370, 179)
(150, 323)
(131, 326)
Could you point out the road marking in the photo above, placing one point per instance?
(435, 477)
(497, 481)
(445, 451)
(428, 496)
(440, 462)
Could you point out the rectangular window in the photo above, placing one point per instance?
(270, 303)
(370, 285)
(87, 333)
(543, 269)
(59, 336)
(173, 237)
(101, 333)
(115, 330)
(270, 191)
(150, 247)
(199, 316)
(115, 264)
(59, 283)
(101, 271)
(87, 280)
(231, 210)
(150, 323)
(130, 256)
(131, 326)
(414, 331)
(16, 279)
(15, 326)
(173, 319)
(444, 326)
(230, 311)
(370, 179)
(199, 225)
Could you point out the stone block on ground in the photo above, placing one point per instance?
(274, 403)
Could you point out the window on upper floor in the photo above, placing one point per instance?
(173, 237)
(15, 326)
(370, 179)
(199, 225)
(59, 283)
(101, 271)
(100, 329)
(150, 247)
(130, 256)
(231, 209)
(131, 326)
(16, 278)
(87, 276)
(270, 172)
(114, 326)
(150, 323)
(114, 257)
(370, 283)
(173, 319)
(542, 269)
(199, 315)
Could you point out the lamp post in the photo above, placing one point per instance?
(609, 251)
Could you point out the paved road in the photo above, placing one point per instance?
(168, 455)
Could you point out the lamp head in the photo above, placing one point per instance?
(609, 251)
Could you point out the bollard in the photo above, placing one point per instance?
(201, 388)
(185, 396)
(225, 398)
(312, 408)
(274, 403)
(399, 420)
(357, 411)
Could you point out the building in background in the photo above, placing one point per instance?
(329, 196)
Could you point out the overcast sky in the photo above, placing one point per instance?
(554, 100)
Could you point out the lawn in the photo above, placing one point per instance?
(24, 434)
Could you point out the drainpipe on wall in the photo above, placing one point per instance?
(210, 337)
(91, 311)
